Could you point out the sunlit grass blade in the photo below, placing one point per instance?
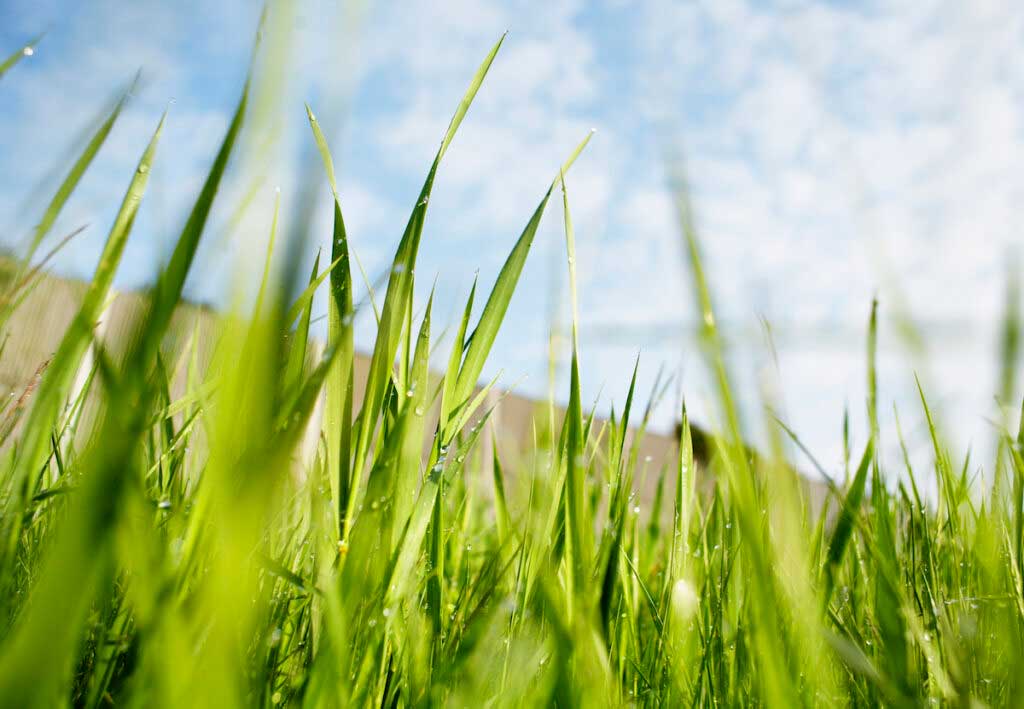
(397, 301)
(338, 415)
(55, 384)
(486, 330)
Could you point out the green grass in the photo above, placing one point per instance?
(173, 549)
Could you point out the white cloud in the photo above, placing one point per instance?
(831, 149)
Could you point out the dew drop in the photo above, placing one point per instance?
(28, 51)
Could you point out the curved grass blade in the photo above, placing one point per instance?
(55, 384)
(75, 174)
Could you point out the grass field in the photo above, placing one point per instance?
(172, 550)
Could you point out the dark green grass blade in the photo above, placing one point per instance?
(847, 519)
(171, 282)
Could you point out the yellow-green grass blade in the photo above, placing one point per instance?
(482, 339)
(303, 302)
(20, 53)
(338, 414)
(75, 174)
(300, 337)
(454, 360)
(467, 99)
(55, 384)
(417, 401)
(396, 302)
(577, 519)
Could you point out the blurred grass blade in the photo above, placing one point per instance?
(26, 51)
(75, 174)
(58, 378)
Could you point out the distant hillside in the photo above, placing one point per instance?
(35, 330)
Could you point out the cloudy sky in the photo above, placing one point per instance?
(836, 150)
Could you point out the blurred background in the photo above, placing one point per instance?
(835, 151)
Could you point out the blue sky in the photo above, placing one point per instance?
(836, 150)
